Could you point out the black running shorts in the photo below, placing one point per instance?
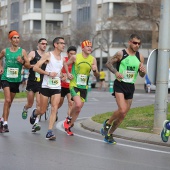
(126, 88)
(14, 86)
(49, 92)
(64, 91)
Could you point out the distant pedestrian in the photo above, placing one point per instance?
(126, 65)
(148, 83)
(102, 80)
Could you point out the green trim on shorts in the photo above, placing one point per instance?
(74, 93)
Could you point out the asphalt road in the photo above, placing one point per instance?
(22, 150)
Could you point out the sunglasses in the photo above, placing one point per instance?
(43, 43)
(61, 43)
(136, 43)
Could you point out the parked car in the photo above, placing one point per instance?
(92, 80)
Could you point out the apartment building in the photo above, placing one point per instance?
(25, 16)
(111, 22)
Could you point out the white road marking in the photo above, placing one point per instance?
(59, 126)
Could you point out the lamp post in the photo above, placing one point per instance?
(101, 57)
(43, 20)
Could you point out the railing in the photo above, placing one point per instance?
(38, 10)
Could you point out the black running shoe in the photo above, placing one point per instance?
(50, 136)
(36, 127)
(1, 127)
(33, 117)
(5, 128)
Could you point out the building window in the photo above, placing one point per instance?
(119, 9)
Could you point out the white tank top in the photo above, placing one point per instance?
(54, 65)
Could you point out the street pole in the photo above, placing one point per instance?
(101, 57)
(161, 97)
(43, 20)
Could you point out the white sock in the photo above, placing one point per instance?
(37, 120)
(5, 123)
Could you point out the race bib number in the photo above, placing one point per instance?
(37, 77)
(82, 79)
(12, 72)
(128, 76)
(54, 82)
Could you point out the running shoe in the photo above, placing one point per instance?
(36, 127)
(1, 124)
(5, 128)
(50, 136)
(104, 130)
(1, 127)
(165, 132)
(56, 118)
(109, 139)
(24, 113)
(69, 132)
(66, 123)
(33, 117)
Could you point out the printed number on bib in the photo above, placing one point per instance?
(54, 82)
(128, 76)
(12, 72)
(37, 77)
(81, 79)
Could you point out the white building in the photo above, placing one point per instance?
(25, 17)
(111, 20)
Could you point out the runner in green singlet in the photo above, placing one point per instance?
(82, 64)
(126, 65)
(15, 58)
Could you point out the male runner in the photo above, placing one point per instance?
(82, 64)
(34, 79)
(51, 84)
(15, 58)
(126, 65)
(65, 85)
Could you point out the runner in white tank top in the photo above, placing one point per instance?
(54, 65)
(51, 85)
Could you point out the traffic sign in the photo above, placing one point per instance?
(152, 66)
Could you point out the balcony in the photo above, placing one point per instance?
(35, 14)
(38, 10)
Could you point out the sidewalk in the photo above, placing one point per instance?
(150, 138)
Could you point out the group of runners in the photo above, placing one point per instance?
(52, 77)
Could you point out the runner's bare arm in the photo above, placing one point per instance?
(112, 62)
(70, 61)
(37, 66)
(94, 68)
(26, 62)
(142, 69)
(2, 54)
(31, 56)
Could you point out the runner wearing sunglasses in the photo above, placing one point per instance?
(126, 65)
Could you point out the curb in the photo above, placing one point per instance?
(155, 139)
